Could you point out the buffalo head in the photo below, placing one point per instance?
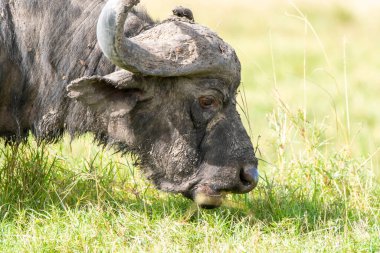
(173, 104)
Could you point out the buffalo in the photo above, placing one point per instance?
(164, 91)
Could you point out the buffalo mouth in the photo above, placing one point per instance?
(210, 196)
(206, 197)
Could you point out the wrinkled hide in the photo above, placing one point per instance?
(45, 44)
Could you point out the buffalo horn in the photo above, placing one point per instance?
(172, 48)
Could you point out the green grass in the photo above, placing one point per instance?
(311, 87)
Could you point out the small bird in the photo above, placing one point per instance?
(180, 11)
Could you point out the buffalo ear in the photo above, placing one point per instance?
(104, 94)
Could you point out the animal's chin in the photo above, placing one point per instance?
(205, 197)
(207, 201)
(202, 194)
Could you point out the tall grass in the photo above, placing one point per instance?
(37, 176)
(26, 176)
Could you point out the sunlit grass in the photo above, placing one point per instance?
(310, 99)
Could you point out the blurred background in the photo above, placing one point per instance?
(319, 60)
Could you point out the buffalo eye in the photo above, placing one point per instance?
(207, 102)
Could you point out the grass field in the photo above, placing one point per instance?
(309, 99)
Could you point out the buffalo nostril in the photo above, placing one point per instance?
(249, 176)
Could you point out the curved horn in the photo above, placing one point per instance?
(110, 31)
(172, 48)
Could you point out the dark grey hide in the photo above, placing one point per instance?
(180, 121)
